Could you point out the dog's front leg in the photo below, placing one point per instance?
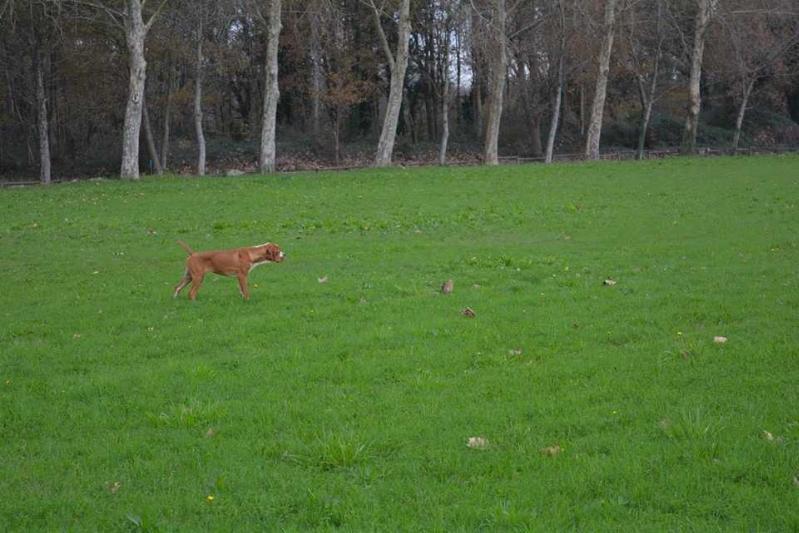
(245, 292)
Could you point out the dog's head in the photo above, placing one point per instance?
(269, 252)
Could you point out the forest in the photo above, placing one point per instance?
(131, 87)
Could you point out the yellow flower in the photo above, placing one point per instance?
(209, 498)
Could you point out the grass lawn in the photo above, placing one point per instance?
(350, 403)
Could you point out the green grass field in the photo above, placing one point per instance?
(350, 403)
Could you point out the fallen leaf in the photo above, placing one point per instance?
(478, 443)
(210, 433)
(719, 339)
(323, 279)
(468, 312)
(114, 487)
(768, 436)
(552, 451)
(447, 287)
(610, 282)
(515, 351)
(796, 480)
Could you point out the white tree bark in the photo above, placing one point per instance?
(739, 121)
(198, 103)
(42, 123)
(167, 117)
(600, 91)
(266, 160)
(555, 120)
(135, 33)
(496, 90)
(646, 113)
(316, 77)
(442, 150)
(703, 15)
(148, 135)
(398, 65)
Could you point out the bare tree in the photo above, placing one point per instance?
(704, 14)
(758, 40)
(266, 159)
(600, 88)
(42, 123)
(556, 103)
(129, 17)
(198, 92)
(36, 24)
(493, 22)
(150, 138)
(447, 21)
(204, 18)
(397, 67)
(317, 75)
(645, 51)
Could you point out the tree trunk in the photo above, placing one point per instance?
(694, 94)
(316, 79)
(442, 151)
(739, 121)
(498, 73)
(398, 65)
(600, 92)
(198, 105)
(477, 96)
(167, 117)
(648, 99)
(148, 134)
(43, 127)
(582, 110)
(458, 79)
(555, 120)
(135, 33)
(646, 113)
(271, 91)
(337, 136)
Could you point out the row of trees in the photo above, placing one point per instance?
(375, 69)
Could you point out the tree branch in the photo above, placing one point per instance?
(149, 23)
(382, 34)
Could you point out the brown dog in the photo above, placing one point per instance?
(237, 262)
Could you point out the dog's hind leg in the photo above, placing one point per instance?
(185, 280)
(196, 283)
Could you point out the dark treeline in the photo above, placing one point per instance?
(121, 87)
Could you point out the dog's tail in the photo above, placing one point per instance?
(186, 247)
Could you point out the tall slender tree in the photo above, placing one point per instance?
(497, 50)
(131, 19)
(266, 159)
(601, 85)
(398, 64)
(704, 14)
